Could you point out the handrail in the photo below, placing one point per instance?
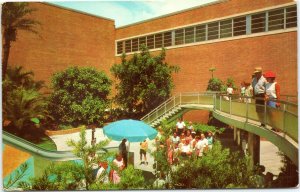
(23, 144)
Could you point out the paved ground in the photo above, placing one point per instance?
(61, 143)
(269, 157)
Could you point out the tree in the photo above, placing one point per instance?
(215, 84)
(85, 152)
(14, 18)
(80, 96)
(144, 81)
(22, 105)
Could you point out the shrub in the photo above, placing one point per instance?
(215, 84)
(80, 96)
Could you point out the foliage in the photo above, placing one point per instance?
(218, 168)
(22, 105)
(16, 176)
(203, 128)
(80, 96)
(229, 81)
(131, 179)
(14, 18)
(215, 84)
(143, 82)
(84, 151)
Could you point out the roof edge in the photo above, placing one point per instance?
(173, 13)
(77, 11)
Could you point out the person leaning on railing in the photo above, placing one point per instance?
(259, 88)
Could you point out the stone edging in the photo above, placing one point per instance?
(63, 132)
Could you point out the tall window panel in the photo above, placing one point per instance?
(239, 26)
(179, 37)
(158, 40)
(135, 44)
(213, 31)
(200, 33)
(119, 47)
(276, 20)
(258, 23)
(226, 28)
(142, 41)
(189, 35)
(291, 17)
(168, 39)
(150, 42)
(128, 46)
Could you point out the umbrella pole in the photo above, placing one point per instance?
(128, 155)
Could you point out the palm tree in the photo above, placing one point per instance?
(14, 18)
(22, 105)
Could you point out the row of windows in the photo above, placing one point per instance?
(259, 22)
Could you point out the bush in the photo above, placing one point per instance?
(215, 84)
(80, 96)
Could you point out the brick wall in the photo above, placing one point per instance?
(66, 38)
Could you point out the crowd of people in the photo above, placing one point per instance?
(263, 88)
(186, 142)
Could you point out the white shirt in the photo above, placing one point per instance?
(271, 90)
(186, 148)
(259, 86)
(102, 172)
(118, 163)
(180, 125)
(201, 145)
(175, 139)
(229, 90)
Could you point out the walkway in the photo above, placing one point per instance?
(61, 144)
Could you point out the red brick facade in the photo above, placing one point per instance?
(69, 38)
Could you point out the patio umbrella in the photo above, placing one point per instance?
(132, 130)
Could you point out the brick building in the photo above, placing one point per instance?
(234, 36)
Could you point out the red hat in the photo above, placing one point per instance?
(270, 74)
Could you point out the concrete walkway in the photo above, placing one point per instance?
(61, 144)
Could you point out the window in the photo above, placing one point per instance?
(213, 31)
(291, 17)
(135, 44)
(158, 40)
(179, 37)
(167, 39)
(142, 41)
(150, 41)
(189, 35)
(128, 46)
(200, 33)
(119, 47)
(258, 23)
(276, 20)
(226, 28)
(239, 26)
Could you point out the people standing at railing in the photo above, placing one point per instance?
(242, 91)
(272, 92)
(180, 126)
(248, 92)
(259, 89)
(229, 91)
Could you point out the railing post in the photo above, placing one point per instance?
(284, 112)
(174, 101)
(214, 98)
(265, 113)
(198, 98)
(247, 111)
(180, 98)
(230, 105)
(220, 102)
(165, 108)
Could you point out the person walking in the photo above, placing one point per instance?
(123, 151)
(143, 151)
(259, 89)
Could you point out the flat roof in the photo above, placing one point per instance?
(77, 11)
(173, 13)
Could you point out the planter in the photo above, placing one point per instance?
(63, 132)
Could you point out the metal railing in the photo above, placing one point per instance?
(284, 118)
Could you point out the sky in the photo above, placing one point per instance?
(128, 12)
